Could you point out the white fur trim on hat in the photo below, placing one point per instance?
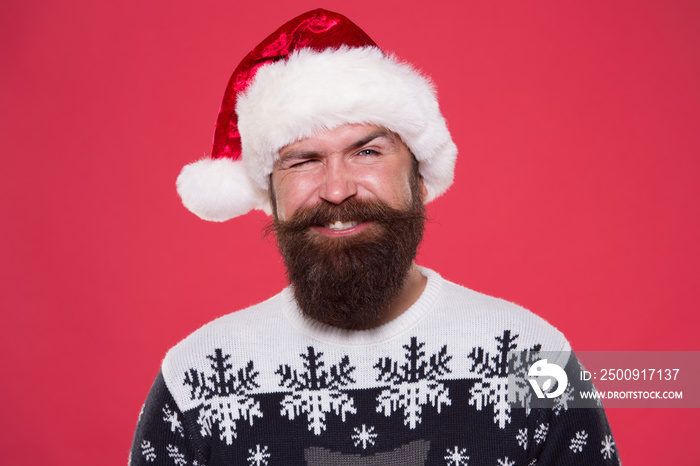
(311, 91)
(219, 189)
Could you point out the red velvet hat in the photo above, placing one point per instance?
(316, 72)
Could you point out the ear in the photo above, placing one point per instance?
(423, 190)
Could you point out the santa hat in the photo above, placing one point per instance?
(316, 72)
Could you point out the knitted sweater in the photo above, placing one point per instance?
(442, 384)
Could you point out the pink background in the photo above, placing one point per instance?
(576, 191)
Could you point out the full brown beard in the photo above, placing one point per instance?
(349, 282)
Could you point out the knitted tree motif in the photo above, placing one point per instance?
(148, 451)
(579, 441)
(414, 384)
(315, 391)
(562, 401)
(541, 433)
(175, 455)
(225, 395)
(494, 371)
(519, 363)
(173, 419)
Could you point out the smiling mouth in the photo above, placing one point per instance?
(339, 226)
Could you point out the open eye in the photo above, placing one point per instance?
(368, 152)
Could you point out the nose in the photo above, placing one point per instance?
(338, 183)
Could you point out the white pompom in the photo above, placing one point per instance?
(218, 189)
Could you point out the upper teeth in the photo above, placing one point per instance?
(338, 225)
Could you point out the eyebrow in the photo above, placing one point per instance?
(371, 137)
(307, 154)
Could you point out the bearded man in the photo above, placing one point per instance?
(365, 358)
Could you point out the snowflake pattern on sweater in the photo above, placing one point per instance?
(440, 385)
(225, 396)
(413, 384)
(315, 392)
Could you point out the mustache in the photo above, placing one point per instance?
(350, 210)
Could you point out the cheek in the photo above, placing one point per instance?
(391, 186)
(291, 194)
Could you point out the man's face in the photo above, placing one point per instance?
(364, 162)
(348, 214)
